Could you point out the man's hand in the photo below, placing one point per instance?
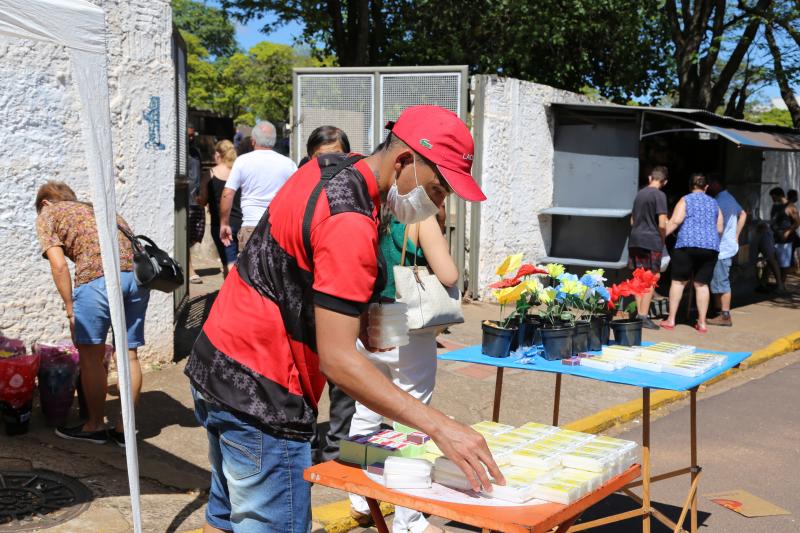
(226, 234)
(467, 449)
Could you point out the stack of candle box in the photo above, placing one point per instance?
(664, 357)
(378, 446)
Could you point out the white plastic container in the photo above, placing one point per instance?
(405, 473)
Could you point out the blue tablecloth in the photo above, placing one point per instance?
(625, 376)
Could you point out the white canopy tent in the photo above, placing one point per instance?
(80, 26)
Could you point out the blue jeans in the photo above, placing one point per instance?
(93, 316)
(721, 282)
(257, 483)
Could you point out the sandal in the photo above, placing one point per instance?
(665, 325)
(700, 329)
(194, 278)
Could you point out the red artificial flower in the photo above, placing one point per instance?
(504, 283)
(638, 286)
(528, 270)
(646, 278)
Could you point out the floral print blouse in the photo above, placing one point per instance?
(72, 226)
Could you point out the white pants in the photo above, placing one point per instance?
(413, 369)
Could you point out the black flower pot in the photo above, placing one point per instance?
(497, 340)
(597, 325)
(557, 341)
(16, 419)
(627, 332)
(528, 330)
(580, 342)
(606, 335)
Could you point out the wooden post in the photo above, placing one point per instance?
(557, 399)
(646, 459)
(693, 430)
(377, 516)
(498, 392)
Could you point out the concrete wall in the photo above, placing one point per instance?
(517, 171)
(41, 140)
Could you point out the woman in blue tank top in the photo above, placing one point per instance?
(700, 221)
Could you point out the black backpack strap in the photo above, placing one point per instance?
(327, 173)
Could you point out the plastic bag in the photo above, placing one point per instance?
(11, 347)
(17, 379)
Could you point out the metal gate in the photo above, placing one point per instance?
(181, 183)
(360, 100)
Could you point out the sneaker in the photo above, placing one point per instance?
(362, 519)
(647, 323)
(720, 320)
(77, 433)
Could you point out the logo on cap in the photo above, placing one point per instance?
(426, 143)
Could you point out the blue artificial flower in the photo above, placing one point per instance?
(603, 293)
(589, 281)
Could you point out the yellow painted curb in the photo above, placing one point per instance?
(335, 517)
(659, 398)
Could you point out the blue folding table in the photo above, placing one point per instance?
(644, 379)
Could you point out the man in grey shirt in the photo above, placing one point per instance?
(649, 229)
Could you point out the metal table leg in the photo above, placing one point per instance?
(377, 516)
(498, 392)
(557, 399)
(646, 459)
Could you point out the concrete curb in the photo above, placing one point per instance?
(335, 517)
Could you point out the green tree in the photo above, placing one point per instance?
(209, 24)
(778, 117)
(619, 47)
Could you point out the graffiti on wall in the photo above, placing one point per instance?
(152, 115)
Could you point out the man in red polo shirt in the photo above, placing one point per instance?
(290, 314)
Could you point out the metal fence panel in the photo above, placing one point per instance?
(342, 100)
(399, 91)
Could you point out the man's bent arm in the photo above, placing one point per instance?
(225, 206)
(345, 366)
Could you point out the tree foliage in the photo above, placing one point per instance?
(209, 24)
(619, 47)
(222, 79)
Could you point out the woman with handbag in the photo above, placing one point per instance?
(67, 229)
(411, 367)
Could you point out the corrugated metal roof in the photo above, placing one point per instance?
(740, 132)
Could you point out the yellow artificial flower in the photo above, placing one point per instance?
(532, 285)
(509, 294)
(509, 264)
(546, 295)
(569, 286)
(554, 270)
(599, 272)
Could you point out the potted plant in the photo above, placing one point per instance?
(498, 335)
(628, 331)
(558, 323)
(593, 306)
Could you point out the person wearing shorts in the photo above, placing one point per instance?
(700, 221)
(734, 218)
(67, 228)
(648, 230)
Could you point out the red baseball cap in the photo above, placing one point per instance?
(442, 138)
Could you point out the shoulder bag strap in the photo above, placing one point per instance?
(135, 244)
(327, 174)
(405, 245)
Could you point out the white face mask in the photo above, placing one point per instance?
(412, 207)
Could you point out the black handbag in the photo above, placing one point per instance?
(153, 267)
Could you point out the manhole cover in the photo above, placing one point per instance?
(39, 499)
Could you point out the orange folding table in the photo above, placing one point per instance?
(528, 518)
